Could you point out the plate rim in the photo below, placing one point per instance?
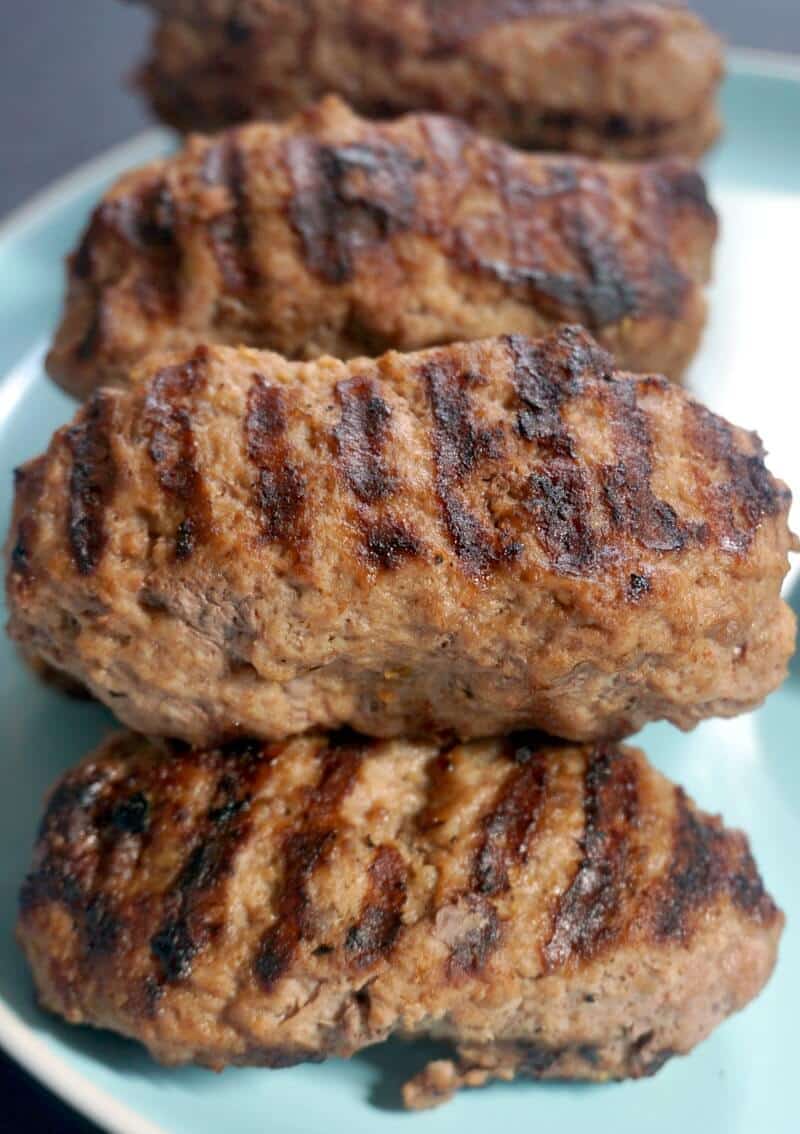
(17, 1038)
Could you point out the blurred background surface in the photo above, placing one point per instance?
(62, 63)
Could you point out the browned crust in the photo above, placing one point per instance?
(525, 476)
(333, 234)
(614, 77)
(146, 908)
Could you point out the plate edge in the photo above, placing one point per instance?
(107, 163)
(36, 1056)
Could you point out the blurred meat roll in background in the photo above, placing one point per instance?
(474, 538)
(615, 78)
(333, 234)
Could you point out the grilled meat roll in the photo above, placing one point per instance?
(629, 78)
(330, 234)
(475, 538)
(554, 911)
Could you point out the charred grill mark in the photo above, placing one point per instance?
(559, 501)
(460, 445)
(172, 449)
(360, 438)
(596, 290)
(190, 919)
(747, 890)
(511, 825)
(381, 917)
(616, 127)
(605, 294)
(588, 914)
(75, 844)
(739, 504)
(144, 229)
(666, 286)
(304, 850)
(280, 487)
(471, 952)
(346, 200)
(695, 874)
(131, 815)
(58, 874)
(638, 587)
(229, 232)
(145, 221)
(387, 542)
(632, 505)
(682, 186)
(546, 375)
(706, 862)
(20, 559)
(28, 485)
(102, 927)
(557, 493)
(92, 479)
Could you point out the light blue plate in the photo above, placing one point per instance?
(742, 1079)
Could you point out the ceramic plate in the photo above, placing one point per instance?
(741, 1080)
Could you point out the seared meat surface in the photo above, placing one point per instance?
(471, 539)
(553, 911)
(629, 78)
(330, 234)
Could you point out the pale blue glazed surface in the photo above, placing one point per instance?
(741, 1080)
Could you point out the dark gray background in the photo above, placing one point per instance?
(62, 61)
(62, 101)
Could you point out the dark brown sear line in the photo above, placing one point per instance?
(589, 913)
(603, 294)
(229, 233)
(706, 862)
(557, 494)
(58, 874)
(546, 376)
(172, 449)
(306, 848)
(459, 447)
(664, 190)
(596, 290)
(92, 479)
(28, 486)
(192, 914)
(346, 200)
(737, 505)
(510, 827)
(388, 542)
(360, 438)
(632, 505)
(280, 487)
(616, 127)
(146, 221)
(471, 951)
(374, 934)
(138, 230)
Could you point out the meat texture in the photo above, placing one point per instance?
(629, 78)
(475, 539)
(330, 234)
(552, 911)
